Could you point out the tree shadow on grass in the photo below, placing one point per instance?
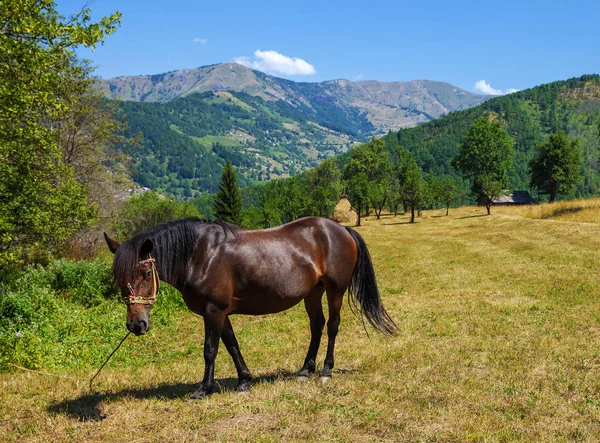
(86, 407)
(400, 223)
(472, 216)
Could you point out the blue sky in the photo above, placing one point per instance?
(499, 46)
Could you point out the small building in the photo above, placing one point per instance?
(509, 199)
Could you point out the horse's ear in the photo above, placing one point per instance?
(113, 245)
(146, 248)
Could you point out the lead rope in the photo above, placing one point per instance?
(109, 357)
(72, 378)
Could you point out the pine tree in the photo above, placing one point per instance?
(228, 202)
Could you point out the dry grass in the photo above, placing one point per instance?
(585, 211)
(500, 341)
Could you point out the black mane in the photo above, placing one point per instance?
(174, 243)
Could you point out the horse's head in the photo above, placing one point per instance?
(139, 283)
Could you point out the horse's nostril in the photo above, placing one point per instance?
(143, 325)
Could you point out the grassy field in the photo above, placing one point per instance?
(499, 340)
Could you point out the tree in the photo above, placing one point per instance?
(556, 167)
(293, 198)
(485, 156)
(268, 198)
(150, 209)
(367, 175)
(41, 82)
(412, 186)
(449, 191)
(325, 188)
(228, 202)
(92, 143)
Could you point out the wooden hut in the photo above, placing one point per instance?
(510, 198)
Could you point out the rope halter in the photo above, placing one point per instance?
(132, 299)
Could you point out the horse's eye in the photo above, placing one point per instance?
(148, 274)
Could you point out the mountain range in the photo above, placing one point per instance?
(194, 120)
(386, 105)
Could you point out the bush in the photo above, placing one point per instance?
(150, 209)
(87, 283)
(68, 314)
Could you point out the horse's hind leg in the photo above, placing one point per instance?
(334, 300)
(312, 303)
(231, 343)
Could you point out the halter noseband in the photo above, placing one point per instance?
(136, 299)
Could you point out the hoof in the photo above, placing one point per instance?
(199, 394)
(325, 378)
(302, 378)
(243, 388)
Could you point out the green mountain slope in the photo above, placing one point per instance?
(571, 106)
(188, 140)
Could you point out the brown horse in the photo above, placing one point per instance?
(221, 270)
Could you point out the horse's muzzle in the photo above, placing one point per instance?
(138, 327)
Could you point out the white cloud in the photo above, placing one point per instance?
(486, 88)
(202, 41)
(273, 62)
(358, 77)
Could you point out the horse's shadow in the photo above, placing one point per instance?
(86, 407)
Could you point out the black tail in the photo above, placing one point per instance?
(364, 293)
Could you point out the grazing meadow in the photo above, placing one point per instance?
(499, 320)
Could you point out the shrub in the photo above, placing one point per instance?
(67, 314)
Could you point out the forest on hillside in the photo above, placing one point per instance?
(187, 141)
(530, 116)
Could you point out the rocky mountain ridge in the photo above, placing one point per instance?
(386, 105)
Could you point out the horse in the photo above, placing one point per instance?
(221, 270)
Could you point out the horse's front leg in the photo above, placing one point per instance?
(231, 343)
(214, 318)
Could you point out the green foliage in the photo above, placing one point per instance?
(67, 314)
(189, 139)
(228, 201)
(205, 205)
(282, 201)
(367, 175)
(448, 191)
(150, 209)
(556, 167)
(528, 116)
(411, 187)
(325, 188)
(41, 203)
(269, 198)
(484, 156)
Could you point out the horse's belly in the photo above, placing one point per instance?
(274, 287)
(260, 305)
